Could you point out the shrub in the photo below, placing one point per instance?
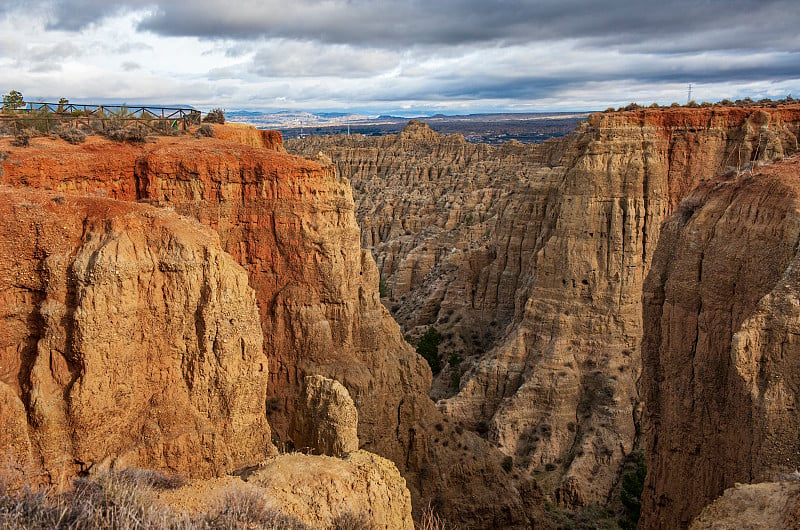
(22, 138)
(205, 130)
(73, 135)
(692, 104)
(428, 347)
(242, 508)
(654, 105)
(133, 133)
(352, 521)
(631, 493)
(215, 116)
(108, 500)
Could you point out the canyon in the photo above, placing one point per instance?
(531, 262)
(290, 224)
(205, 306)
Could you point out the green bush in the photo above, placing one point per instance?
(631, 493)
(428, 347)
(12, 100)
(215, 116)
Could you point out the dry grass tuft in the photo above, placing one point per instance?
(353, 521)
(430, 520)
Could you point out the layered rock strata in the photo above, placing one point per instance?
(531, 259)
(127, 338)
(721, 355)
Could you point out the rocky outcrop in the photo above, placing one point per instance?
(721, 379)
(290, 223)
(530, 260)
(128, 338)
(315, 489)
(244, 134)
(325, 420)
(763, 506)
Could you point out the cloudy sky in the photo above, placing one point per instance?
(399, 56)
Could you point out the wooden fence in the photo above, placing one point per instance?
(45, 117)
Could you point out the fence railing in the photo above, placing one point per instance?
(48, 116)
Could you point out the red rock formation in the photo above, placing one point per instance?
(721, 377)
(128, 337)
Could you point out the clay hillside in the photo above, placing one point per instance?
(531, 263)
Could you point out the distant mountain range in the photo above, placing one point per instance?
(487, 128)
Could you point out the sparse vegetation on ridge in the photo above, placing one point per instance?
(127, 500)
(746, 102)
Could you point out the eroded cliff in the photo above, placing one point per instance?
(531, 259)
(721, 378)
(128, 338)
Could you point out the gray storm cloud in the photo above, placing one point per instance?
(343, 52)
(751, 24)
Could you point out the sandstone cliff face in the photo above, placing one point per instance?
(721, 378)
(290, 223)
(541, 288)
(128, 337)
